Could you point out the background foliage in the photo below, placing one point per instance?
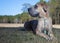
(54, 6)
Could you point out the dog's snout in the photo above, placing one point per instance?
(35, 6)
(32, 11)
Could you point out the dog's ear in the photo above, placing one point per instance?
(44, 10)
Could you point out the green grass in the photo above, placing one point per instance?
(19, 35)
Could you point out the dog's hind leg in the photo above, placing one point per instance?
(34, 25)
(27, 26)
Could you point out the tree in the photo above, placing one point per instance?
(25, 17)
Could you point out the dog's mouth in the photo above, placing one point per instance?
(33, 12)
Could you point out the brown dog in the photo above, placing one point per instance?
(42, 26)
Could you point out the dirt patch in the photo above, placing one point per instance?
(22, 25)
(11, 25)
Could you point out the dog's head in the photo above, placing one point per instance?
(39, 9)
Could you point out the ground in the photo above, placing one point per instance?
(20, 35)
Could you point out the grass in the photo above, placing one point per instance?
(19, 35)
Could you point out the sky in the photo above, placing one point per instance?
(13, 7)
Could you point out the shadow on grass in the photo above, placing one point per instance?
(13, 28)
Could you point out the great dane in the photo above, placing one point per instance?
(42, 26)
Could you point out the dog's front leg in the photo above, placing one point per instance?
(42, 34)
(40, 27)
(50, 28)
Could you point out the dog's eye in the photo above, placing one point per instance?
(35, 6)
(44, 10)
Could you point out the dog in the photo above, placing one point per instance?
(42, 26)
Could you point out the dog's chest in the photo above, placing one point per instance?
(43, 23)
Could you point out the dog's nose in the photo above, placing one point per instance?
(35, 6)
(29, 9)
